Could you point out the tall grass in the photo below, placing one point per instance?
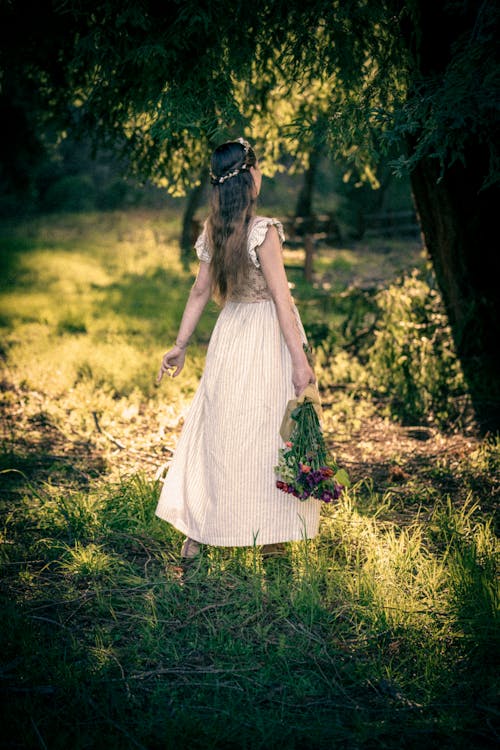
(369, 628)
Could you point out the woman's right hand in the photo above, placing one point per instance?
(172, 360)
(302, 375)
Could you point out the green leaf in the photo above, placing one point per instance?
(342, 477)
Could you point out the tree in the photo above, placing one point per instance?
(193, 202)
(164, 80)
(453, 141)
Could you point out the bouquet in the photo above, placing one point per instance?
(304, 468)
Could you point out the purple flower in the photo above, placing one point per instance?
(317, 476)
(337, 490)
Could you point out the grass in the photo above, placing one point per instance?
(380, 633)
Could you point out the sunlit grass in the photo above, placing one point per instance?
(85, 302)
(87, 562)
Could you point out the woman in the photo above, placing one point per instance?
(220, 488)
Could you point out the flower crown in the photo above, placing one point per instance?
(215, 180)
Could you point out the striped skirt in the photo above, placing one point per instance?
(220, 488)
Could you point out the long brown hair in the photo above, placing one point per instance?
(232, 206)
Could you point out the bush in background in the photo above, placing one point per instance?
(412, 360)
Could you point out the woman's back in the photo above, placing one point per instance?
(253, 287)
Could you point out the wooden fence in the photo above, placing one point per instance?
(308, 231)
(392, 224)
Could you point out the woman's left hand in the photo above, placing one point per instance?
(172, 360)
(302, 375)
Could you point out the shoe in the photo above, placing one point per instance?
(273, 550)
(190, 548)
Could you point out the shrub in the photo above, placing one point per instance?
(412, 360)
(71, 193)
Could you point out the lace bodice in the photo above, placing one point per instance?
(255, 288)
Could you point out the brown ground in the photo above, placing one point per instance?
(414, 465)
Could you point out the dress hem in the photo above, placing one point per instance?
(183, 528)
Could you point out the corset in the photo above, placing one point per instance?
(254, 289)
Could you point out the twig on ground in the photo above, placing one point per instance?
(49, 620)
(37, 732)
(181, 670)
(106, 434)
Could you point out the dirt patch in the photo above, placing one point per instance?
(415, 465)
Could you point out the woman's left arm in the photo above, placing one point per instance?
(198, 297)
(271, 262)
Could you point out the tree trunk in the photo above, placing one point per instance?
(309, 258)
(305, 197)
(194, 201)
(459, 220)
(460, 226)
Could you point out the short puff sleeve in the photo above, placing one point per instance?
(258, 234)
(202, 247)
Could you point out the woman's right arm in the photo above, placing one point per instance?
(271, 263)
(198, 297)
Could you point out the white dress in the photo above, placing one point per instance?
(221, 487)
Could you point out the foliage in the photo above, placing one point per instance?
(162, 84)
(449, 109)
(392, 344)
(412, 360)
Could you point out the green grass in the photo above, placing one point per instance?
(380, 633)
(367, 628)
(85, 301)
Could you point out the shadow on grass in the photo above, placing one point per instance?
(146, 296)
(30, 465)
(12, 272)
(226, 654)
(44, 455)
(156, 301)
